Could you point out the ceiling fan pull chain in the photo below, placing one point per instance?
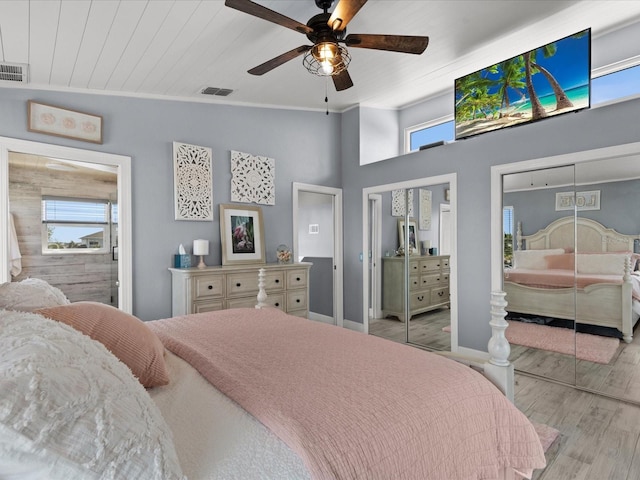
(326, 93)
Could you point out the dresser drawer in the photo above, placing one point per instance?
(296, 300)
(414, 282)
(209, 286)
(296, 278)
(431, 264)
(432, 279)
(244, 283)
(276, 300)
(212, 306)
(440, 295)
(419, 300)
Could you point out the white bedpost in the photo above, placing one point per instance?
(627, 302)
(519, 236)
(499, 369)
(262, 294)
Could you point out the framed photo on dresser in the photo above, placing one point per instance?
(241, 234)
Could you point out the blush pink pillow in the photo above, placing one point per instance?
(124, 335)
(565, 261)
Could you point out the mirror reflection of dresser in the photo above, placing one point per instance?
(428, 284)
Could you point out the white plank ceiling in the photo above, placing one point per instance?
(175, 48)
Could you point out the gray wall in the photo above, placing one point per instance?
(471, 158)
(145, 129)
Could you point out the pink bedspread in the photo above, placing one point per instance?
(354, 406)
(553, 278)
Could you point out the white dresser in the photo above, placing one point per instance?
(195, 290)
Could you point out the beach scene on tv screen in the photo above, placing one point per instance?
(543, 82)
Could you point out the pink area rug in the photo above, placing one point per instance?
(546, 433)
(547, 436)
(592, 348)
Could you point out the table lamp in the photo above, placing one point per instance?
(201, 248)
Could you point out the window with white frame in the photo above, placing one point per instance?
(76, 225)
(614, 85)
(507, 230)
(440, 130)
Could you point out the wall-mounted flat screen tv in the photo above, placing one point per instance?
(547, 81)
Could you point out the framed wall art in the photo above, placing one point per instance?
(413, 234)
(580, 200)
(62, 122)
(241, 234)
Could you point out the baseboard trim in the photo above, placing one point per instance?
(351, 325)
(474, 353)
(318, 317)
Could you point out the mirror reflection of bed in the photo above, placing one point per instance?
(571, 274)
(429, 257)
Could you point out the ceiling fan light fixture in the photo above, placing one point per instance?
(326, 59)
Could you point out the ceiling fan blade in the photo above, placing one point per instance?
(343, 13)
(342, 81)
(279, 60)
(259, 11)
(392, 43)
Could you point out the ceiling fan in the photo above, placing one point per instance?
(326, 31)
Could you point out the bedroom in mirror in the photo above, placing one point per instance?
(570, 255)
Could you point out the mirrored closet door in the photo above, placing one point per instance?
(539, 280)
(607, 301)
(410, 235)
(570, 253)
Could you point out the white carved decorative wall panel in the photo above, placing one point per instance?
(253, 179)
(425, 209)
(397, 203)
(192, 182)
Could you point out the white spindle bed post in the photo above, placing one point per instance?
(519, 236)
(627, 302)
(499, 369)
(262, 294)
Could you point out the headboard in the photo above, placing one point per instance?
(591, 237)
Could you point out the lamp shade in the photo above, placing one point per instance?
(201, 247)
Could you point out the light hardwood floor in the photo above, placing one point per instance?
(599, 437)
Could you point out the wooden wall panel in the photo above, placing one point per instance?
(88, 277)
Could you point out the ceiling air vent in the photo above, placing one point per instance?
(220, 92)
(14, 72)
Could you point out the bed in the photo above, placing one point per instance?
(88, 391)
(597, 284)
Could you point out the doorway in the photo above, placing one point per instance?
(317, 238)
(119, 164)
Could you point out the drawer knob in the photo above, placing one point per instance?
(420, 298)
(238, 284)
(297, 300)
(210, 287)
(277, 304)
(440, 293)
(277, 280)
(297, 279)
(438, 279)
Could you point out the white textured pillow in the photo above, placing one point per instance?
(602, 263)
(68, 404)
(30, 294)
(534, 259)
